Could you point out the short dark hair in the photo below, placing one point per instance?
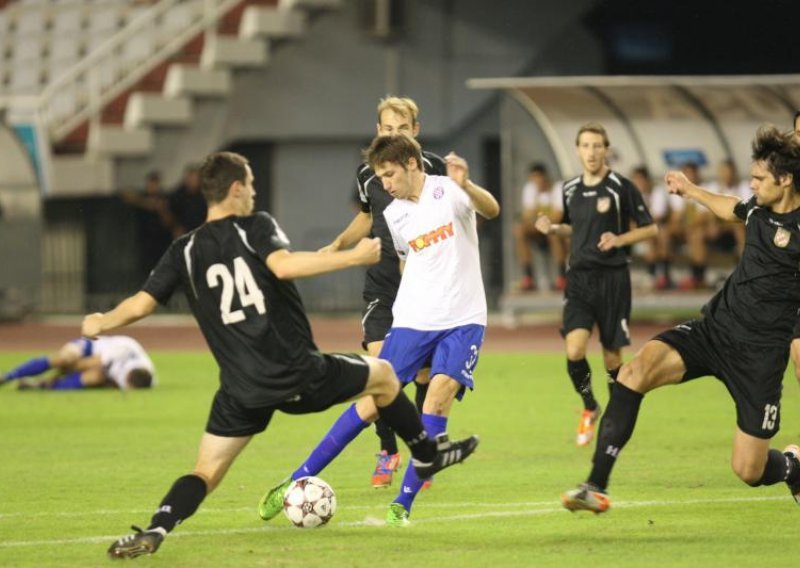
(537, 168)
(641, 171)
(394, 149)
(139, 379)
(779, 151)
(218, 171)
(596, 128)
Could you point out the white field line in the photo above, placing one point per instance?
(520, 510)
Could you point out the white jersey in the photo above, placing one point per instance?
(442, 286)
(119, 355)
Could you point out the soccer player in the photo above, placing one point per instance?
(440, 310)
(236, 271)
(599, 206)
(742, 338)
(396, 115)
(113, 361)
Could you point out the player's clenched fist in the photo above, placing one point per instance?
(91, 325)
(677, 183)
(543, 224)
(368, 251)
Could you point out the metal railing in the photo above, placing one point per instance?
(84, 81)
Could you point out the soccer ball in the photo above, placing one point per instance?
(309, 502)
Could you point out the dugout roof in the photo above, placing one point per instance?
(658, 121)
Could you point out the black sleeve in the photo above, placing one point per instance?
(266, 236)
(436, 165)
(565, 220)
(742, 208)
(637, 207)
(165, 277)
(363, 175)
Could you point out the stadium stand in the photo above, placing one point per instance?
(105, 73)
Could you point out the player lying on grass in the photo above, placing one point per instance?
(236, 271)
(440, 310)
(742, 337)
(114, 361)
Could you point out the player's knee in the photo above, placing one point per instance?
(636, 374)
(385, 377)
(63, 361)
(575, 352)
(750, 473)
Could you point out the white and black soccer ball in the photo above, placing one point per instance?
(309, 502)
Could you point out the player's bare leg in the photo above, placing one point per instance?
(214, 458)
(795, 352)
(755, 463)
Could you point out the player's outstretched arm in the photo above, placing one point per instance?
(483, 202)
(358, 229)
(720, 205)
(290, 265)
(130, 310)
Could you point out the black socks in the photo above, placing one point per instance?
(616, 428)
(403, 418)
(581, 376)
(180, 503)
(780, 467)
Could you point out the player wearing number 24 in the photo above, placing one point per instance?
(236, 272)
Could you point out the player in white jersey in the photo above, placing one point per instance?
(114, 361)
(439, 314)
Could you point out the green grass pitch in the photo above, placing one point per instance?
(77, 468)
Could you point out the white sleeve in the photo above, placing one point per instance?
(528, 196)
(557, 196)
(658, 202)
(462, 204)
(400, 246)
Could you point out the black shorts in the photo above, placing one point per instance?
(376, 320)
(752, 374)
(345, 377)
(796, 330)
(602, 297)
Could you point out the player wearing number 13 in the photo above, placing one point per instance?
(236, 272)
(742, 338)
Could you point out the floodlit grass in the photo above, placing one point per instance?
(77, 468)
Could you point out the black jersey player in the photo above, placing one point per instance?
(599, 206)
(236, 272)
(742, 337)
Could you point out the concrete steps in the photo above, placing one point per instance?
(185, 83)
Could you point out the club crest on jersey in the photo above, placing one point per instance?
(431, 237)
(438, 192)
(782, 237)
(603, 204)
